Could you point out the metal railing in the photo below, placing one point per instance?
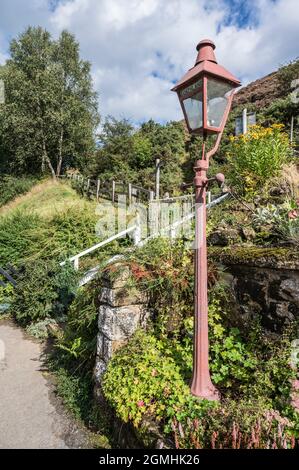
(170, 230)
(75, 259)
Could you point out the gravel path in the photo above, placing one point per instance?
(30, 415)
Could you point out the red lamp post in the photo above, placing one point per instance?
(205, 93)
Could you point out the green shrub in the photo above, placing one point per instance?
(25, 236)
(40, 329)
(164, 272)
(44, 290)
(10, 187)
(144, 380)
(21, 236)
(148, 379)
(278, 222)
(78, 343)
(257, 157)
(5, 292)
(75, 392)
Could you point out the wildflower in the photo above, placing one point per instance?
(140, 403)
(295, 395)
(293, 214)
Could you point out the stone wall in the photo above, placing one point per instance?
(265, 283)
(121, 312)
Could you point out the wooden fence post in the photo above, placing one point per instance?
(130, 192)
(98, 188)
(87, 187)
(113, 191)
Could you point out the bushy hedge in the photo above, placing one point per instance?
(44, 290)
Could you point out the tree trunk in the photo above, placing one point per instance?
(58, 169)
(47, 160)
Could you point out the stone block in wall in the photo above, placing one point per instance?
(99, 369)
(122, 310)
(107, 347)
(119, 323)
(121, 296)
(271, 293)
(289, 289)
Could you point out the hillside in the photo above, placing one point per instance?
(261, 92)
(47, 199)
(51, 221)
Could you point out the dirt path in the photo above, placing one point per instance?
(30, 416)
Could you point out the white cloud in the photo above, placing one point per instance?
(138, 47)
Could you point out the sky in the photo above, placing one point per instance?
(139, 48)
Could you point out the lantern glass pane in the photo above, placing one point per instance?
(193, 109)
(191, 89)
(218, 94)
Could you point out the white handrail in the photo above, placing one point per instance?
(171, 228)
(92, 273)
(76, 258)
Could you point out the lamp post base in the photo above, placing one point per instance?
(209, 392)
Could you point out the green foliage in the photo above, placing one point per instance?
(72, 363)
(257, 157)
(40, 329)
(50, 111)
(18, 235)
(280, 111)
(241, 424)
(232, 363)
(147, 380)
(10, 187)
(25, 236)
(168, 284)
(78, 342)
(129, 155)
(275, 223)
(43, 290)
(5, 292)
(149, 387)
(75, 392)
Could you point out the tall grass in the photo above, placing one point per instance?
(10, 187)
(25, 236)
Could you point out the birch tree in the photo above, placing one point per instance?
(50, 113)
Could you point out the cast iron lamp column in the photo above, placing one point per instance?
(201, 384)
(205, 94)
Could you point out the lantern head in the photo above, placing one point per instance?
(204, 92)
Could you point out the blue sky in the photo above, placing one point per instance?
(139, 48)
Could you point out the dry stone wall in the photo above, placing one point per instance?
(121, 312)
